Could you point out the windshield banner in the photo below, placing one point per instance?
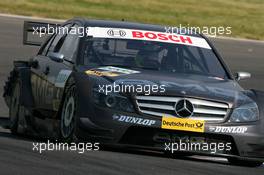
(100, 32)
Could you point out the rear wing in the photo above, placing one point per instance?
(35, 33)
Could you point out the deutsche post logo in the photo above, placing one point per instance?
(182, 124)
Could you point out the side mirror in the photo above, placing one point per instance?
(58, 57)
(242, 75)
(33, 63)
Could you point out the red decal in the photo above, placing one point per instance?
(162, 36)
(150, 35)
(176, 38)
(186, 39)
(137, 34)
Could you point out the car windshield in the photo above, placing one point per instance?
(158, 56)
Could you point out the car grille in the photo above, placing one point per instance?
(165, 106)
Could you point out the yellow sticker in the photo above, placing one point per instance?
(101, 73)
(182, 124)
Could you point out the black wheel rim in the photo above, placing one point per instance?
(68, 114)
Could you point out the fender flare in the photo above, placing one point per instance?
(27, 99)
(21, 73)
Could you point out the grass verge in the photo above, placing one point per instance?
(246, 17)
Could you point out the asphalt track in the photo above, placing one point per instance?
(17, 157)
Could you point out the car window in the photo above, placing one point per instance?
(70, 46)
(56, 41)
(160, 56)
(44, 49)
(200, 61)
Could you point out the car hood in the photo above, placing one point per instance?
(185, 85)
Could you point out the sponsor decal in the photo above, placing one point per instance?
(116, 33)
(101, 32)
(62, 78)
(133, 120)
(101, 73)
(182, 124)
(118, 70)
(110, 71)
(228, 129)
(135, 82)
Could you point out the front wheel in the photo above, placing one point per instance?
(247, 163)
(68, 115)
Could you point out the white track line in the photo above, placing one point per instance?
(30, 17)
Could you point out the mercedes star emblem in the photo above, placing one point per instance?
(184, 108)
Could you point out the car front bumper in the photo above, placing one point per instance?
(144, 131)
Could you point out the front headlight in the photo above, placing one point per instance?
(114, 101)
(245, 113)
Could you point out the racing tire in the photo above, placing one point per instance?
(247, 163)
(14, 108)
(68, 116)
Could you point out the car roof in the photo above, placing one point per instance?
(130, 25)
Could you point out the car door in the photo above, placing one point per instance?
(67, 47)
(39, 73)
(47, 78)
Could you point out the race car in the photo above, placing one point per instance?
(134, 85)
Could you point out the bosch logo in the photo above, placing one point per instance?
(116, 33)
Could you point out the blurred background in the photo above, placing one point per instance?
(246, 17)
